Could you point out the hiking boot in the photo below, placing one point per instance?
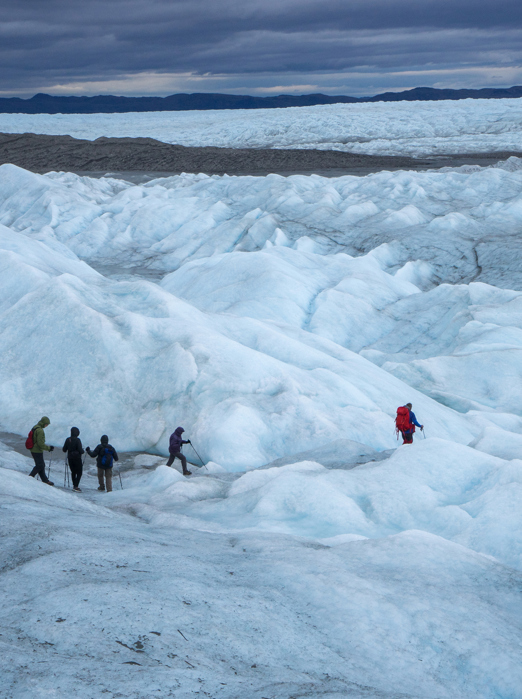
(101, 487)
(187, 473)
(77, 490)
(50, 483)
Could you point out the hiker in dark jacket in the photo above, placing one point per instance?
(104, 454)
(175, 444)
(38, 449)
(73, 448)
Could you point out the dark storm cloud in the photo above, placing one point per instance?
(58, 41)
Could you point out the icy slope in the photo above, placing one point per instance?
(401, 128)
(465, 225)
(439, 487)
(281, 321)
(132, 357)
(232, 305)
(125, 607)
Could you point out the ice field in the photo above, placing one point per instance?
(281, 321)
(380, 128)
(97, 603)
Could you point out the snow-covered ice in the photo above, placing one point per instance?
(281, 321)
(380, 128)
(397, 579)
(238, 304)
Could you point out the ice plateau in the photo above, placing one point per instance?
(281, 321)
(380, 128)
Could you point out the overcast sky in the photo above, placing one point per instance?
(357, 47)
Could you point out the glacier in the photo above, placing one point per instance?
(281, 321)
(379, 128)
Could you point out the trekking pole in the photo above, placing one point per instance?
(119, 474)
(423, 432)
(199, 457)
(50, 462)
(64, 471)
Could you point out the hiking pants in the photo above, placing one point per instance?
(407, 437)
(181, 457)
(39, 467)
(107, 473)
(75, 464)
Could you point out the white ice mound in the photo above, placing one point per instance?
(291, 286)
(18, 486)
(462, 226)
(212, 467)
(436, 486)
(253, 349)
(342, 453)
(136, 358)
(409, 614)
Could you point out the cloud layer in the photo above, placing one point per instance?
(161, 46)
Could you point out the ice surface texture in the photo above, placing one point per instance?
(294, 581)
(234, 305)
(281, 322)
(401, 128)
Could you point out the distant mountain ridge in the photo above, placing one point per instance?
(52, 104)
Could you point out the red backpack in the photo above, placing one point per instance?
(402, 421)
(29, 442)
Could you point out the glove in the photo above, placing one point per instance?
(51, 448)
(188, 441)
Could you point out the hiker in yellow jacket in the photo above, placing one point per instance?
(39, 446)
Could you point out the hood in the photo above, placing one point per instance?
(75, 432)
(44, 422)
(104, 439)
(179, 431)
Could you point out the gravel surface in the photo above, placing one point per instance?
(142, 156)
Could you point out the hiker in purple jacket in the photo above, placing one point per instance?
(175, 444)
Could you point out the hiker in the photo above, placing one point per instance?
(73, 448)
(38, 448)
(104, 454)
(175, 444)
(405, 423)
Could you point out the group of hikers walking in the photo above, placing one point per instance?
(105, 455)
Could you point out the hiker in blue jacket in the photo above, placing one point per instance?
(104, 454)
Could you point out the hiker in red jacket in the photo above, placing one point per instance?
(405, 423)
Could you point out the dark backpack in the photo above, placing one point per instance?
(107, 457)
(402, 421)
(30, 441)
(74, 446)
